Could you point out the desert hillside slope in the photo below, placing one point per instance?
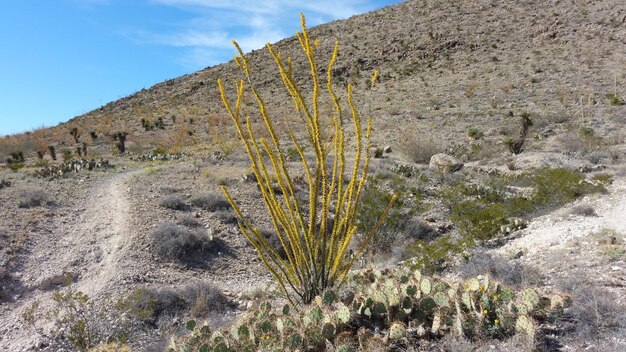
(443, 66)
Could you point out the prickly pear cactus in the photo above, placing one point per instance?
(425, 286)
(525, 325)
(397, 331)
(343, 314)
(399, 303)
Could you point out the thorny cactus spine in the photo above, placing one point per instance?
(315, 247)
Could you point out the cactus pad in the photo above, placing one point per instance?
(397, 331)
(425, 286)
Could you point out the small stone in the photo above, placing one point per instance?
(387, 149)
(615, 268)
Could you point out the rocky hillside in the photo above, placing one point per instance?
(444, 66)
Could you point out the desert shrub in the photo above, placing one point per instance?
(583, 210)
(478, 221)
(419, 231)
(585, 131)
(33, 197)
(75, 323)
(67, 155)
(160, 150)
(16, 157)
(205, 298)
(42, 163)
(603, 179)
(399, 220)
(594, 310)
(174, 202)
(509, 272)
(226, 216)
(120, 138)
(169, 190)
(16, 166)
(151, 304)
(211, 202)
(558, 186)
(611, 244)
(475, 133)
(595, 157)
(180, 244)
(436, 255)
(614, 100)
(189, 221)
(572, 143)
(5, 184)
(316, 252)
(420, 147)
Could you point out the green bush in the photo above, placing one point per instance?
(16, 166)
(556, 187)
(475, 133)
(435, 256)
(484, 212)
(614, 100)
(399, 221)
(478, 221)
(585, 131)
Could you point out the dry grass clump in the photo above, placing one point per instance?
(583, 210)
(169, 190)
(420, 147)
(189, 221)
(174, 202)
(33, 197)
(594, 311)
(196, 299)
(501, 269)
(211, 201)
(226, 216)
(204, 298)
(183, 245)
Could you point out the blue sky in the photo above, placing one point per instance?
(62, 58)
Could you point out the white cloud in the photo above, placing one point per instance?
(251, 22)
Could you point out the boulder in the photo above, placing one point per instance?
(445, 163)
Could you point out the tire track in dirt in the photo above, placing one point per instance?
(88, 238)
(109, 214)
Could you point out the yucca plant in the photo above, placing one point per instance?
(315, 243)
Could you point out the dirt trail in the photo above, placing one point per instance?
(109, 216)
(87, 239)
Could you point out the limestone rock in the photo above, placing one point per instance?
(445, 163)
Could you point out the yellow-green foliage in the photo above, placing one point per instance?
(316, 248)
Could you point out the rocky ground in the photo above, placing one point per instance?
(95, 228)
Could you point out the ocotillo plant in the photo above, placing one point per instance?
(315, 243)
